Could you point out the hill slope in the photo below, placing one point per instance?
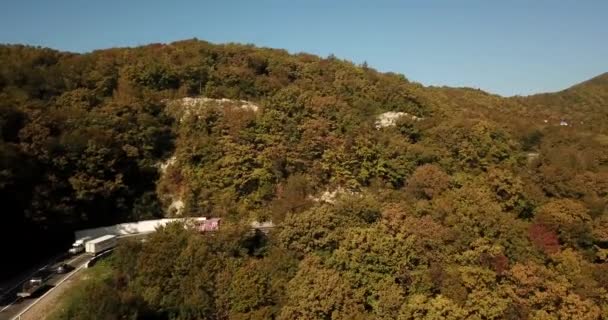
(586, 102)
(394, 200)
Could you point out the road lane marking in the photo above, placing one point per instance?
(76, 258)
(54, 259)
(9, 305)
(26, 279)
(49, 291)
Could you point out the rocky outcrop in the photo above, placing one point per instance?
(191, 106)
(331, 196)
(389, 119)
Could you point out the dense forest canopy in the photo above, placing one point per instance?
(462, 204)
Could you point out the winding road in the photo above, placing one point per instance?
(12, 307)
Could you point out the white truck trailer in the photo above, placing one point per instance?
(78, 245)
(101, 244)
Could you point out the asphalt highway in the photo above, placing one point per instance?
(11, 306)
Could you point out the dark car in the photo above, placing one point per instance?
(64, 268)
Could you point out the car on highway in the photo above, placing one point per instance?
(64, 268)
(40, 275)
(36, 280)
(35, 283)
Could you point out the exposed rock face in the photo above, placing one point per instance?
(164, 165)
(176, 207)
(202, 101)
(532, 156)
(333, 195)
(182, 109)
(185, 107)
(389, 119)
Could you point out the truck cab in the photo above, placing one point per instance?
(78, 245)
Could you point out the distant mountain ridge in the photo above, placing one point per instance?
(600, 80)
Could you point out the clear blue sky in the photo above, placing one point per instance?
(505, 47)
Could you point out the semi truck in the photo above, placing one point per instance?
(101, 244)
(78, 245)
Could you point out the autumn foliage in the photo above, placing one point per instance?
(468, 206)
(543, 238)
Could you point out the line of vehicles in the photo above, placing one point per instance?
(92, 246)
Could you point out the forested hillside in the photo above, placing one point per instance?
(392, 200)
